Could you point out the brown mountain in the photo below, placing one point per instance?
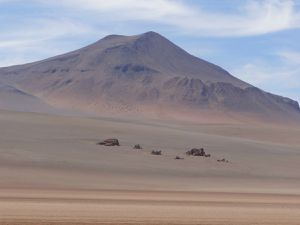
(13, 99)
(145, 75)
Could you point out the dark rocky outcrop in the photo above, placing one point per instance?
(110, 142)
(197, 152)
(158, 152)
(137, 146)
(223, 160)
(179, 158)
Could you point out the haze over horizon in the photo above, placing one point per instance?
(255, 40)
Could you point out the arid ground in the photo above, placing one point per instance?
(53, 172)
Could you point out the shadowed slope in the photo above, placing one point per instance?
(11, 98)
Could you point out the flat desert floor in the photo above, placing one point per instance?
(52, 172)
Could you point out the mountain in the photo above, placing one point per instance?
(13, 99)
(145, 75)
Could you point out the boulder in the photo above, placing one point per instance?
(223, 160)
(156, 152)
(137, 146)
(196, 152)
(110, 142)
(178, 157)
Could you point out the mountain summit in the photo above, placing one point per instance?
(145, 75)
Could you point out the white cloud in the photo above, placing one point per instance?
(12, 60)
(267, 75)
(32, 31)
(283, 79)
(139, 9)
(290, 57)
(256, 17)
(36, 39)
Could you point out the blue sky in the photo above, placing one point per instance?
(255, 40)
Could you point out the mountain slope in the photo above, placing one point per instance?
(14, 99)
(143, 75)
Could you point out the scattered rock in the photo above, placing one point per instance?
(196, 152)
(156, 152)
(223, 160)
(137, 146)
(178, 157)
(207, 155)
(110, 142)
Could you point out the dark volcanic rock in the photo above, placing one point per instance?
(223, 160)
(178, 158)
(110, 142)
(158, 152)
(196, 152)
(137, 146)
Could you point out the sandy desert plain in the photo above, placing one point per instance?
(52, 172)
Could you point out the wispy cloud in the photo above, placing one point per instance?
(266, 75)
(36, 39)
(290, 57)
(282, 78)
(255, 17)
(33, 31)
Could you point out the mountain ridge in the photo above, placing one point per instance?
(140, 73)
